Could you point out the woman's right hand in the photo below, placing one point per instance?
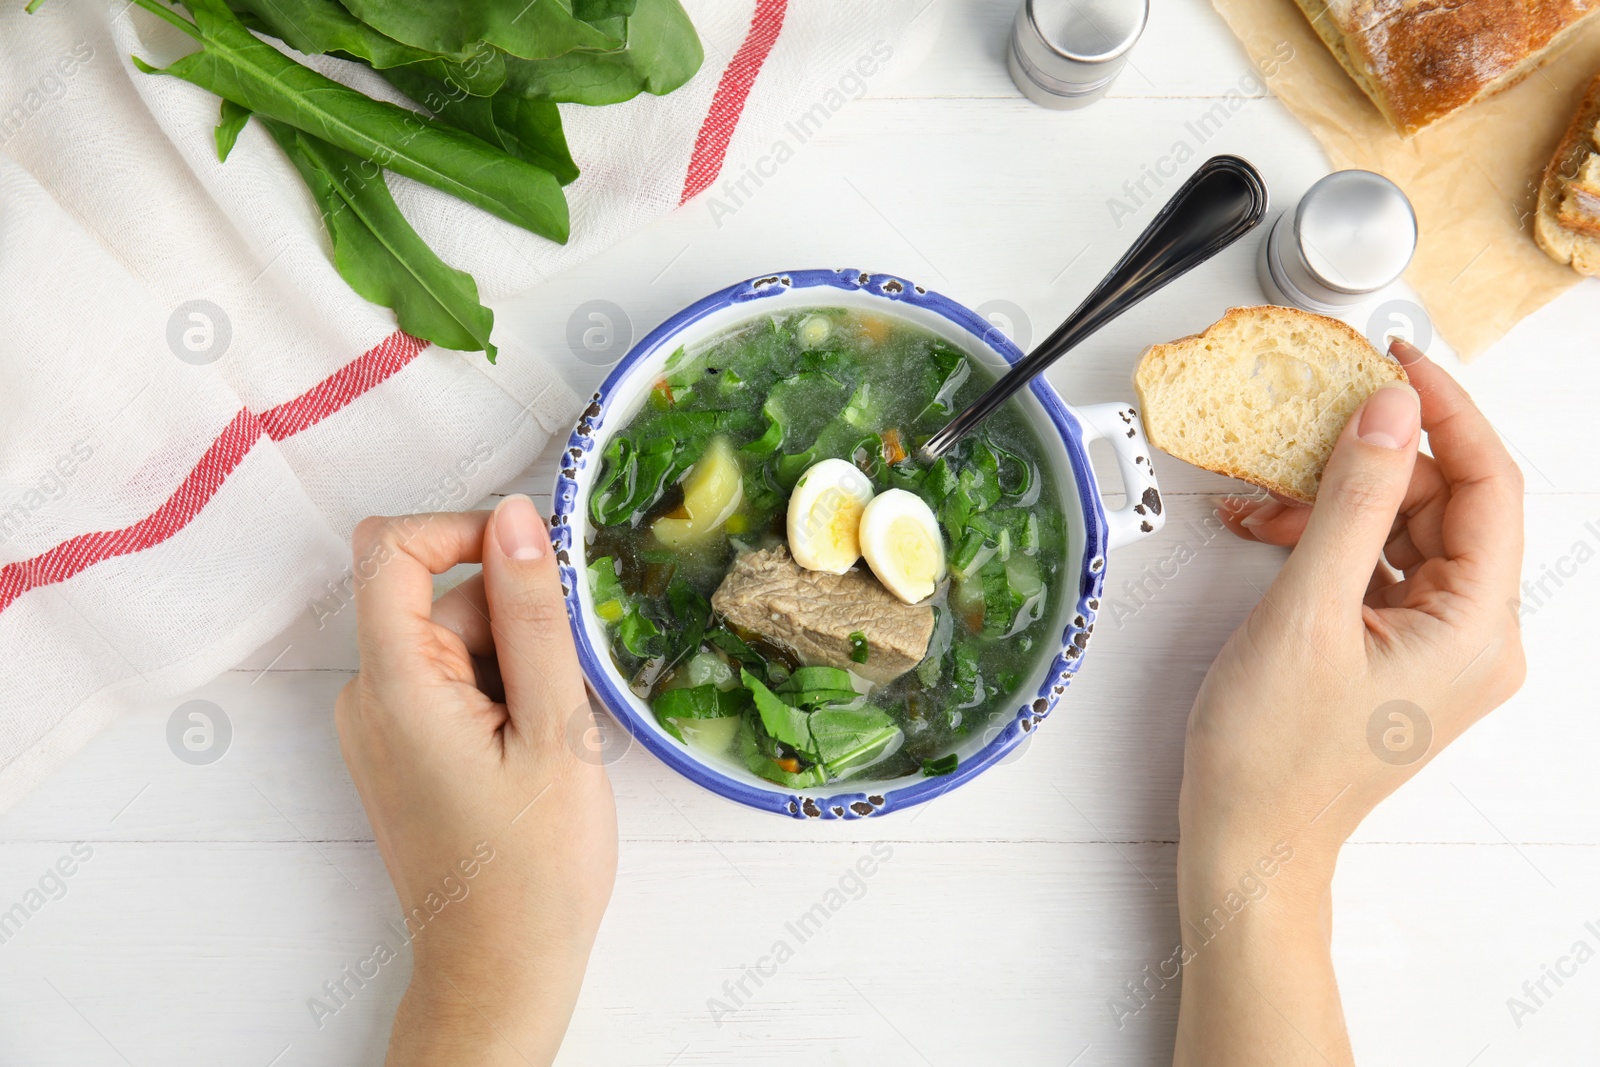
(1348, 678)
(1341, 684)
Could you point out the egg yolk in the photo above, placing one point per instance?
(843, 520)
(914, 550)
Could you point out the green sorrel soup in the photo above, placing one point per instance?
(796, 660)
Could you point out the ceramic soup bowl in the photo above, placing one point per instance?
(1063, 430)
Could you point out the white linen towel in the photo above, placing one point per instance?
(195, 409)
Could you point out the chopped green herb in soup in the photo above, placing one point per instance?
(789, 586)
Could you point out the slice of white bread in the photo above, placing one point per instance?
(1261, 395)
(1568, 243)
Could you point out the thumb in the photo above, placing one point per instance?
(528, 617)
(1361, 491)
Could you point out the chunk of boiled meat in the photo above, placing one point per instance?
(813, 613)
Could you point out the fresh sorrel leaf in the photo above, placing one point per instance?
(238, 66)
(229, 125)
(595, 10)
(662, 53)
(480, 74)
(528, 129)
(532, 29)
(325, 26)
(379, 254)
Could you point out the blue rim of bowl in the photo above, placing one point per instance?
(602, 674)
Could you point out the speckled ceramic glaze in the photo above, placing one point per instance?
(1064, 431)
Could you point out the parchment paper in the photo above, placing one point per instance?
(1473, 177)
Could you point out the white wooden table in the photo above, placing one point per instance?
(1012, 914)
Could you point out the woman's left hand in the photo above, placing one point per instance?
(495, 820)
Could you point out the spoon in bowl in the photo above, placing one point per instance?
(1221, 202)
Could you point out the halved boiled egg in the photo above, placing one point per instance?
(825, 512)
(900, 538)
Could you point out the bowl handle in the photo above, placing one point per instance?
(1119, 426)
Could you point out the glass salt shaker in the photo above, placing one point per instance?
(1353, 233)
(1065, 53)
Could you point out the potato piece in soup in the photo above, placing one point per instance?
(712, 491)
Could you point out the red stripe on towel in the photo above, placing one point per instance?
(71, 556)
(226, 452)
(711, 146)
(342, 386)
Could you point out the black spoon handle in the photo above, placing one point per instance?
(1220, 203)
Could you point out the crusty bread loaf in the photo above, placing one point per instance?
(1559, 225)
(1420, 60)
(1262, 395)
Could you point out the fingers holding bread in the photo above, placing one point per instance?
(1362, 489)
(1415, 536)
(1483, 480)
(1271, 521)
(1265, 394)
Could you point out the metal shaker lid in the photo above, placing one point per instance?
(1356, 231)
(1074, 47)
